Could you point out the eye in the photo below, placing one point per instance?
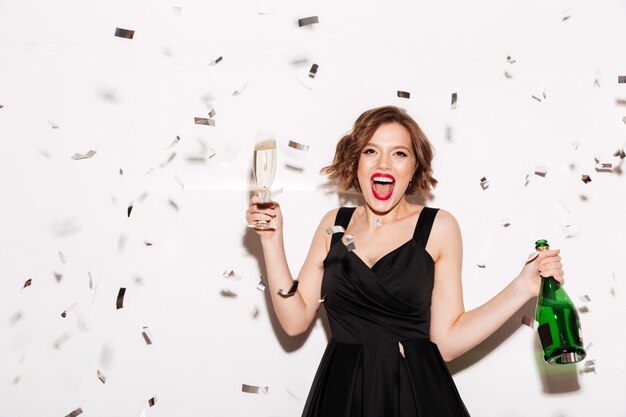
(403, 154)
(367, 150)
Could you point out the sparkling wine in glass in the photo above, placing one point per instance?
(264, 169)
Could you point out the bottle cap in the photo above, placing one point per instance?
(542, 243)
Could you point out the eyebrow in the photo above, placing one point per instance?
(395, 147)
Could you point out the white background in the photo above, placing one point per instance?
(128, 99)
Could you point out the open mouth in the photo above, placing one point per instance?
(382, 186)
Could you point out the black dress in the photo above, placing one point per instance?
(380, 361)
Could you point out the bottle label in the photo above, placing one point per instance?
(545, 336)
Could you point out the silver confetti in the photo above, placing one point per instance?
(313, 71)
(481, 265)
(589, 366)
(308, 21)
(101, 376)
(453, 101)
(61, 257)
(204, 121)
(261, 286)
(335, 229)
(255, 312)
(508, 75)
(404, 94)
(60, 340)
(510, 60)
(586, 178)
(621, 79)
(75, 413)
(583, 309)
(124, 33)
(211, 111)
(321, 300)
(52, 124)
(152, 401)
(147, 337)
(377, 222)
(291, 291)
(172, 204)
(596, 82)
(170, 159)
(299, 146)
(238, 92)
(254, 389)
(350, 243)
(70, 308)
(119, 302)
(216, 61)
(530, 322)
(484, 183)
(604, 166)
(79, 156)
(585, 298)
(228, 293)
(401, 348)
(179, 182)
(506, 222)
(541, 170)
(129, 208)
(174, 142)
(229, 273)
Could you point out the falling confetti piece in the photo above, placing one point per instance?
(174, 142)
(313, 71)
(254, 389)
(583, 309)
(229, 273)
(28, 283)
(146, 335)
(510, 60)
(101, 376)
(536, 98)
(238, 92)
(173, 204)
(177, 10)
(404, 94)
(130, 208)
(204, 121)
(70, 308)
(298, 146)
(506, 222)
(15, 318)
(350, 244)
(261, 285)
(585, 298)
(211, 111)
(604, 166)
(620, 153)
(321, 300)
(124, 33)
(52, 124)
(57, 276)
(453, 102)
(152, 401)
(228, 293)
(596, 82)
(255, 312)
(216, 61)
(484, 183)
(1, 106)
(541, 170)
(62, 257)
(565, 18)
(621, 79)
(78, 156)
(170, 159)
(291, 291)
(586, 178)
(589, 366)
(401, 348)
(60, 340)
(75, 413)
(508, 75)
(119, 303)
(377, 222)
(335, 229)
(481, 265)
(179, 182)
(145, 242)
(530, 322)
(308, 21)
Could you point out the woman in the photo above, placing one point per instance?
(391, 284)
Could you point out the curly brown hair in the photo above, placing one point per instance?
(349, 147)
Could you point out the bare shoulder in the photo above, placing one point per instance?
(445, 235)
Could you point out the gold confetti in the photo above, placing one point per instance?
(401, 348)
(211, 111)
(119, 303)
(313, 71)
(75, 413)
(404, 94)
(453, 101)
(298, 146)
(254, 389)
(291, 291)
(204, 121)
(79, 156)
(28, 283)
(146, 335)
(124, 33)
(604, 166)
(484, 183)
(101, 376)
(152, 401)
(308, 21)
(586, 178)
(530, 322)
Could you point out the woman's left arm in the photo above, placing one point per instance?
(454, 330)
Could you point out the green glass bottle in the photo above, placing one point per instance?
(559, 325)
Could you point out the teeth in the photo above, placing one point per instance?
(382, 179)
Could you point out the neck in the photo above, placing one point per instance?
(399, 211)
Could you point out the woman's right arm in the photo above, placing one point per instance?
(297, 312)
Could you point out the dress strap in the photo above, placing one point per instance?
(424, 225)
(344, 214)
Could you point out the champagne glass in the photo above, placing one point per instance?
(264, 168)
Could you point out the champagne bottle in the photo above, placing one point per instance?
(559, 325)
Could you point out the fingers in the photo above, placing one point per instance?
(549, 265)
(256, 200)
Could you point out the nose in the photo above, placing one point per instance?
(383, 161)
